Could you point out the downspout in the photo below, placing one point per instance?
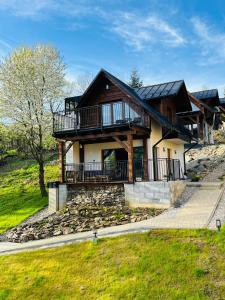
(192, 146)
(153, 152)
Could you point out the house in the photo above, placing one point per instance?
(114, 133)
(204, 116)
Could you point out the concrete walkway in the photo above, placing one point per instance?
(196, 213)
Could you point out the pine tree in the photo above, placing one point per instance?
(135, 81)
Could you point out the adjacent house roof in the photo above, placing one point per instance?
(208, 95)
(159, 90)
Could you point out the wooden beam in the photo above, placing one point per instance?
(121, 143)
(61, 147)
(68, 148)
(145, 159)
(130, 158)
(99, 135)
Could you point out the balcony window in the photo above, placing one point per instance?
(117, 112)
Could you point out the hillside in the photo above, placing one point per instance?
(19, 190)
(201, 161)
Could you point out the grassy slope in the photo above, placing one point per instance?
(164, 265)
(19, 191)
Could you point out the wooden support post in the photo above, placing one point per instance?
(61, 147)
(145, 159)
(130, 158)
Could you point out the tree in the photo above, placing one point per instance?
(31, 85)
(135, 81)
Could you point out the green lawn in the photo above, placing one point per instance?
(19, 191)
(166, 264)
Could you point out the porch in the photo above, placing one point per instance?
(161, 169)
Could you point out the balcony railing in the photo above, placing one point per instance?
(99, 172)
(100, 116)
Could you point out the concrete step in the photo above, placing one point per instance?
(206, 185)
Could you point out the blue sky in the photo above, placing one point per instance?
(164, 40)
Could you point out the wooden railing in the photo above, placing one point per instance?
(99, 116)
(162, 169)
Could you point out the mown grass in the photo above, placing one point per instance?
(161, 264)
(19, 191)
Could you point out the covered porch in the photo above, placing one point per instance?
(114, 157)
(107, 165)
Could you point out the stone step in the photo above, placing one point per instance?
(206, 185)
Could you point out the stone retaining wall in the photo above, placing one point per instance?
(99, 194)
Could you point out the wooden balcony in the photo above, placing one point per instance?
(100, 117)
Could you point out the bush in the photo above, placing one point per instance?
(195, 178)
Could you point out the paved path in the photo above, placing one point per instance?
(196, 213)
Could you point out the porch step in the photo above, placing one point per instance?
(206, 185)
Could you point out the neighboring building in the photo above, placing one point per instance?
(113, 133)
(204, 117)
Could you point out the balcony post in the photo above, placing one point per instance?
(61, 147)
(145, 159)
(130, 158)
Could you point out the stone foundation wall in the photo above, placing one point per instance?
(99, 194)
(156, 194)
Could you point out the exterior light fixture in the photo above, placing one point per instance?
(175, 151)
(164, 149)
(107, 87)
(95, 237)
(218, 224)
(81, 146)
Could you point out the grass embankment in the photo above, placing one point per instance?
(166, 264)
(19, 191)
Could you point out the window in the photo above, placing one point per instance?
(106, 114)
(116, 113)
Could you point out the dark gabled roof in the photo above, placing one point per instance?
(131, 92)
(159, 90)
(206, 94)
(163, 121)
(154, 113)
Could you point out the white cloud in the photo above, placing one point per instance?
(211, 42)
(27, 8)
(142, 31)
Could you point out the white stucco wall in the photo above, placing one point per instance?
(72, 156)
(93, 152)
(175, 146)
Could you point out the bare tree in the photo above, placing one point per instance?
(31, 85)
